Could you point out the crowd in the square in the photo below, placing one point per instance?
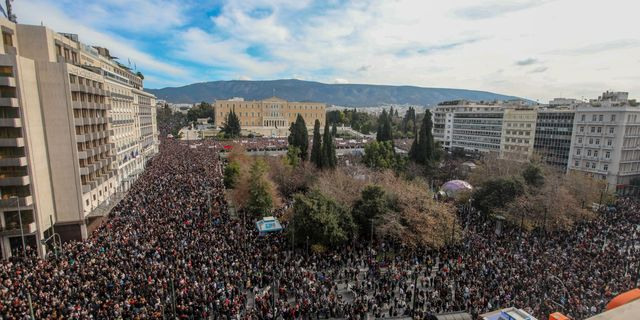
(170, 249)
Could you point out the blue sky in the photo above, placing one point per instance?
(535, 49)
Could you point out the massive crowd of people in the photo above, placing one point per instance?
(171, 249)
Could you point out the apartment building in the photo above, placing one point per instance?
(468, 125)
(518, 133)
(26, 200)
(606, 139)
(68, 151)
(552, 142)
(270, 116)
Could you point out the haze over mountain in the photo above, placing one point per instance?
(356, 95)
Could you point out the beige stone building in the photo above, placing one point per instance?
(270, 117)
(75, 125)
(518, 133)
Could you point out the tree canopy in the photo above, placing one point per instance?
(423, 150)
(299, 137)
(329, 160)
(231, 127)
(380, 155)
(320, 219)
(316, 148)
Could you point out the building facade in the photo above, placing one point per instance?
(270, 116)
(65, 136)
(467, 125)
(606, 142)
(552, 142)
(518, 133)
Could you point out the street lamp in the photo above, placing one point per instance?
(564, 287)
(24, 247)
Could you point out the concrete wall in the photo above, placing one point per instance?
(36, 147)
(60, 131)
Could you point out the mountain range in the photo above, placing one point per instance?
(351, 95)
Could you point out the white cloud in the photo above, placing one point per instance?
(56, 19)
(535, 49)
(340, 80)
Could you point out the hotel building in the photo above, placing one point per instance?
(271, 116)
(65, 151)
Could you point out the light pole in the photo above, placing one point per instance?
(24, 247)
(563, 285)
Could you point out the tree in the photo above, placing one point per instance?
(299, 137)
(533, 176)
(328, 149)
(140, 75)
(293, 156)
(379, 155)
(320, 219)
(423, 147)
(334, 130)
(231, 127)
(260, 202)
(635, 182)
(369, 208)
(316, 148)
(384, 132)
(199, 111)
(496, 193)
(231, 174)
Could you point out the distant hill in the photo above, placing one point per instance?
(356, 95)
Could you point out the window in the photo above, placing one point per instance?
(588, 153)
(597, 141)
(595, 153)
(611, 130)
(578, 151)
(6, 71)
(609, 142)
(7, 39)
(577, 164)
(605, 167)
(599, 129)
(590, 140)
(593, 165)
(583, 117)
(607, 154)
(613, 117)
(579, 140)
(594, 118)
(593, 129)
(600, 117)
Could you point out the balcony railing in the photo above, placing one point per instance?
(13, 203)
(14, 229)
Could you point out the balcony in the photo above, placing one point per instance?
(11, 122)
(11, 142)
(14, 229)
(13, 162)
(86, 188)
(9, 203)
(7, 81)
(9, 102)
(6, 180)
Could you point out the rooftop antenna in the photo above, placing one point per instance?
(12, 17)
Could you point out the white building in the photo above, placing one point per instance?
(606, 139)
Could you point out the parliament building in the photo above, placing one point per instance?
(271, 116)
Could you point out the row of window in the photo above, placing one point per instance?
(594, 153)
(591, 165)
(596, 141)
(594, 129)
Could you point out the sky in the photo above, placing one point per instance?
(533, 49)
